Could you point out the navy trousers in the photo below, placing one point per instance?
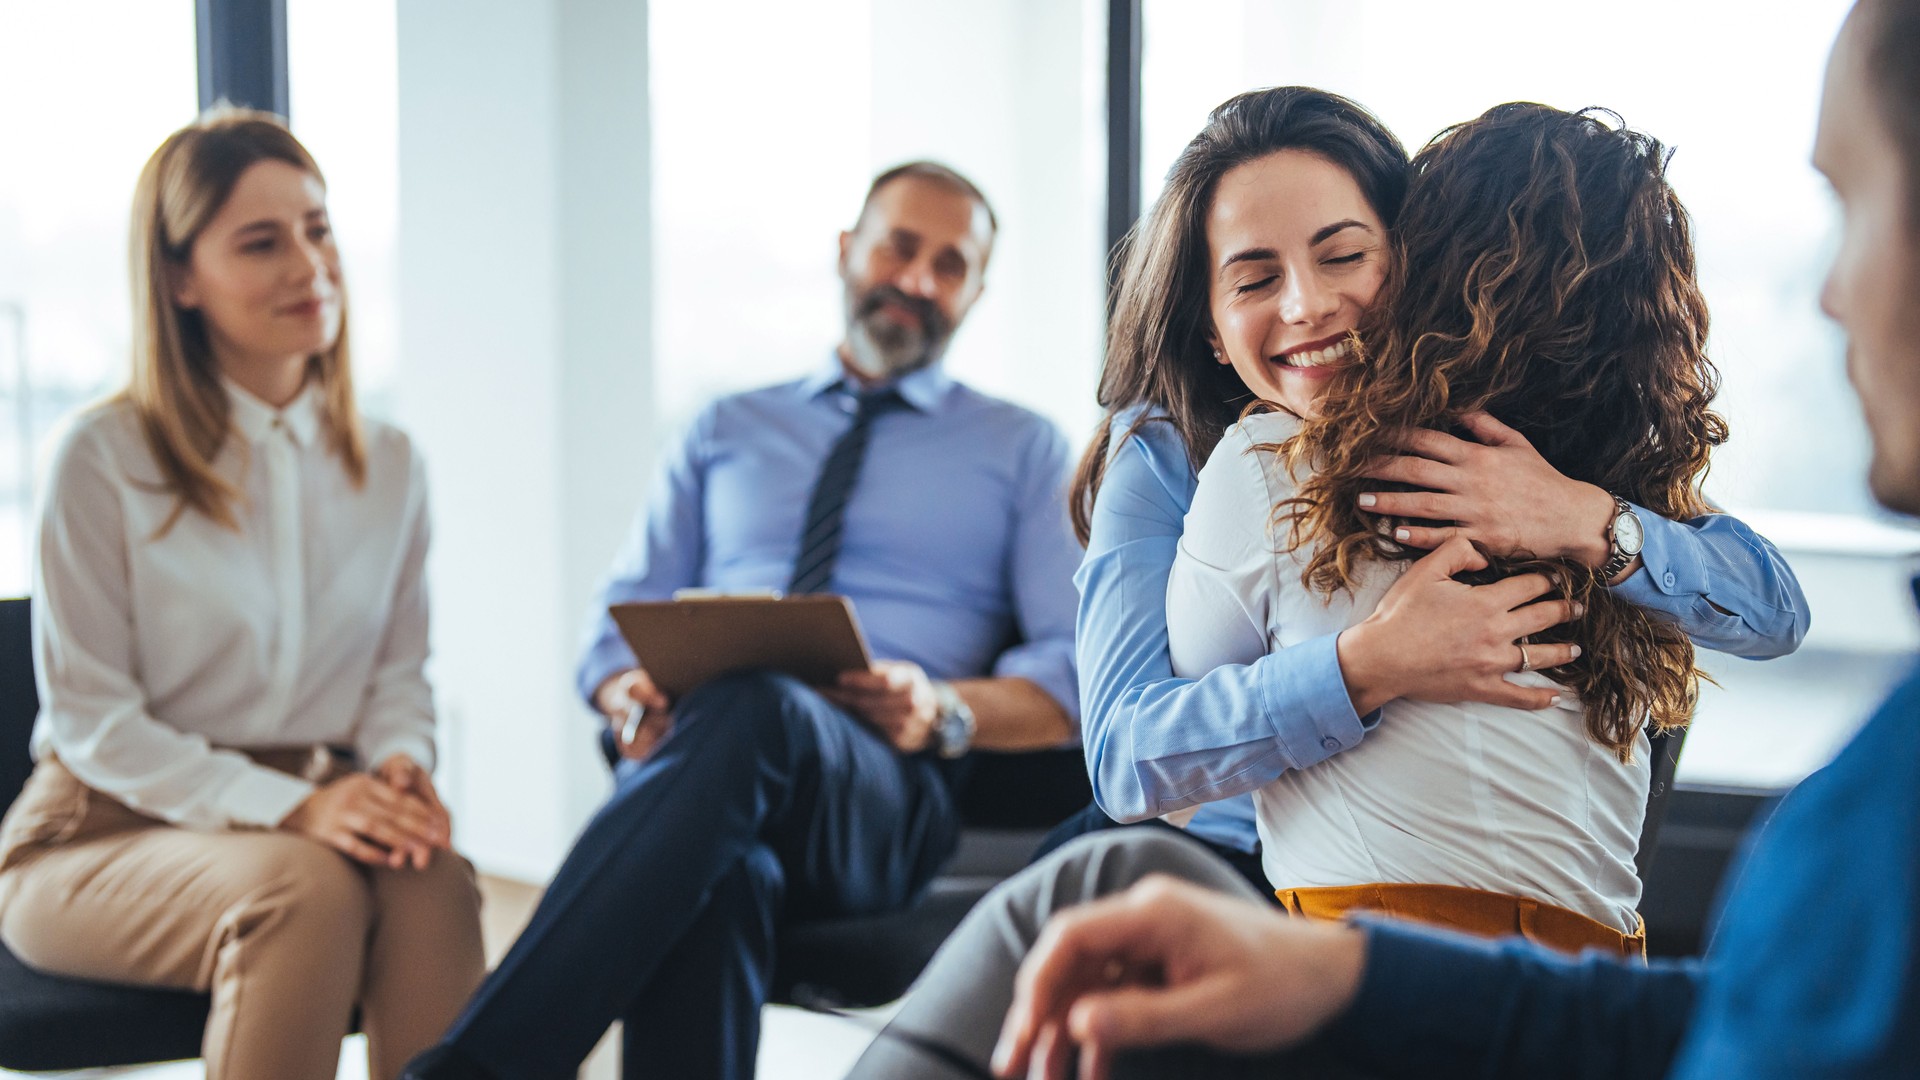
(765, 803)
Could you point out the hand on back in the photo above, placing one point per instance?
(1437, 639)
(1497, 491)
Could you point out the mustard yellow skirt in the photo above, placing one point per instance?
(1471, 911)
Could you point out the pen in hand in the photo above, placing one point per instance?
(630, 729)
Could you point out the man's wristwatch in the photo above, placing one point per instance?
(1624, 538)
(953, 728)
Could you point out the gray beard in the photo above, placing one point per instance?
(887, 355)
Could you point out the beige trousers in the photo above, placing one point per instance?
(286, 934)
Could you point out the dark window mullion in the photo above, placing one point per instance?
(1123, 129)
(243, 53)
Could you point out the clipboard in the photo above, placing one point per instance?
(683, 643)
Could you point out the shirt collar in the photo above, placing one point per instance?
(923, 389)
(255, 419)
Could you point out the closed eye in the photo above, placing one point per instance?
(1252, 286)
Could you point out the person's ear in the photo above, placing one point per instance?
(183, 286)
(1213, 342)
(846, 249)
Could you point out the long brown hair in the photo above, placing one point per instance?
(1546, 275)
(1157, 351)
(174, 386)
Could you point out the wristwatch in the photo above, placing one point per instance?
(1624, 537)
(954, 727)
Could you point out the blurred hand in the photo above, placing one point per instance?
(408, 777)
(640, 714)
(895, 698)
(367, 820)
(1499, 491)
(1170, 962)
(1437, 639)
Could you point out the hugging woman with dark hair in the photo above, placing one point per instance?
(1232, 282)
(1506, 803)
(1543, 271)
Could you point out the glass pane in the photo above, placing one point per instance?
(1736, 97)
(343, 92)
(87, 91)
(764, 143)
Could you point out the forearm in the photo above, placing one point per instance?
(1014, 713)
(1722, 583)
(1437, 1004)
(1167, 743)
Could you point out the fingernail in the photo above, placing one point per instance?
(1402, 534)
(1576, 652)
(1368, 500)
(1554, 700)
(1579, 610)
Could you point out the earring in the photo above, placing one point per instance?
(1216, 354)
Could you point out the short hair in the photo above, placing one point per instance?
(1893, 75)
(933, 171)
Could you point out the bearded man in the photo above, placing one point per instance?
(755, 800)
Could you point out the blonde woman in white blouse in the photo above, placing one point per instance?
(232, 791)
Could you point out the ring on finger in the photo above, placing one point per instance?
(1526, 662)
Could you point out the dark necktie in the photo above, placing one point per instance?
(827, 509)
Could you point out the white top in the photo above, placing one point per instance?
(1506, 800)
(308, 625)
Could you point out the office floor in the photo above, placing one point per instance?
(794, 1045)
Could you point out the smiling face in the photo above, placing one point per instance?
(264, 273)
(912, 267)
(1296, 256)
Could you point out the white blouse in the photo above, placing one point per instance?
(1506, 800)
(157, 657)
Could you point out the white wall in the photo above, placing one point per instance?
(532, 370)
(524, 293)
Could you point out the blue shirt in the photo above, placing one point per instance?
(956, 549)
(1155, 743)
(1814, 971)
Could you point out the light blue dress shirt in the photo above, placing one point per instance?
(1155, 743)
(956, 551)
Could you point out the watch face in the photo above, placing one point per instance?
(1627, 534)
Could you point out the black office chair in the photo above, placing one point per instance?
(1666, 761)
(48, 1022)
(1008, 803)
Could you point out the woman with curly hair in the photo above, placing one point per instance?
(1268, 243)
(1542, 271)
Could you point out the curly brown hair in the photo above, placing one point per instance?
(1544, 274)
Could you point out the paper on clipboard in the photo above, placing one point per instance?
(683, 643)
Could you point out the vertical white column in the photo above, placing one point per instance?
(524, 313)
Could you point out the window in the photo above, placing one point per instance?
(764, 144)
(343, 94)
(1736, 97)
(87, 91)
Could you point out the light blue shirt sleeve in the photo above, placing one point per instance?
(664, 552)
(1721, 582)
(1042, 561)
(1155, 743)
